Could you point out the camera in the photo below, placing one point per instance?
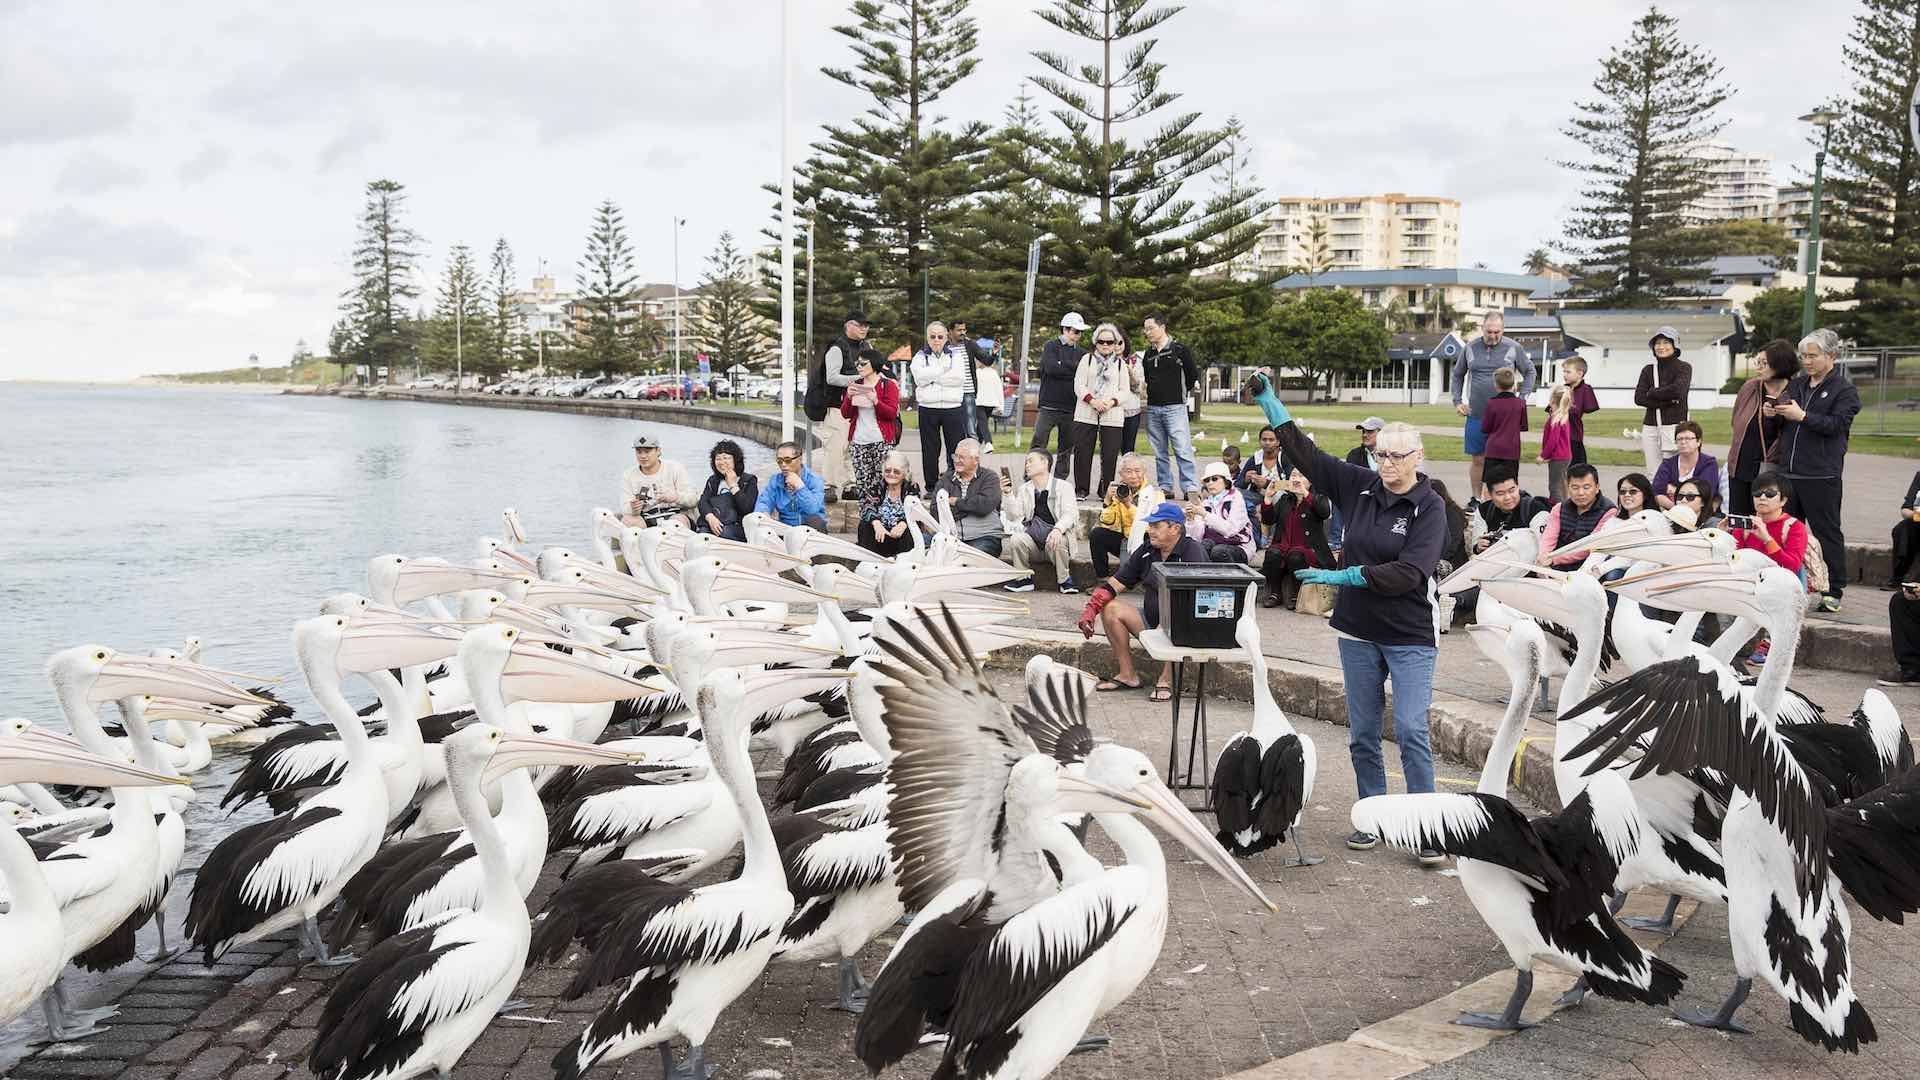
(1122, 492)
(1739, 521)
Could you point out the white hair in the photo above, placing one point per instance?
(1824, 340)
(940, 326)
(1398, 438)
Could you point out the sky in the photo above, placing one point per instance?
(179, 182)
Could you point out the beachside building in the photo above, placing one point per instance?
(1434, 297)
(1739, 184)
(1391, 231)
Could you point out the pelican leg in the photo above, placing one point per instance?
(166, 952)
(317, 946)
(1661, 925)
(65, 1023)
(1300, 856)
(1721, 1019)
(1618, 901)
(1089, 1043)
(1509, 1019)
(1575, 994)
(695, 1067)
(853, 988)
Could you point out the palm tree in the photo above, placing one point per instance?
(1539, 261)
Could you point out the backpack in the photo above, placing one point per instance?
(1814, 566)
(814, 403)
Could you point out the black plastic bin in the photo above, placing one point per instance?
(1201, 602)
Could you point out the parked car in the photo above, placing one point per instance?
(429, 382)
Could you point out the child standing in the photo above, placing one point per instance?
(1573, 374)
(1502, 422)
(1556, 441)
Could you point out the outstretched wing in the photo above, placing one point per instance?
(1486, 828)
(955, 744)
(1874, 844)
(1689, 713)
(1055, 717)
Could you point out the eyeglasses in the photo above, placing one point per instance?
(1105, 341)
(1767, 494)
(894, 472)
(1388, 455)
(936, 337)
(1684, 497)
(787, 460)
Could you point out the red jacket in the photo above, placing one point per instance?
(1788, 532)
(886, 410)
(1504, 418)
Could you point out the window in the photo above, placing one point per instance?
(1476, 298)
(1413, 297)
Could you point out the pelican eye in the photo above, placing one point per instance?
(101, 655)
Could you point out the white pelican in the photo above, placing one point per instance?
(31, 923)
(1539, 885)
(682, 955)
(102, 880)
(284, 871)
(975, 804)
(1264, 777)
(1787, 855)
(416, 1002)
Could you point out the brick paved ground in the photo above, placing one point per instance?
(1357, 939)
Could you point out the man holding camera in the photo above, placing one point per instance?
(655, 490)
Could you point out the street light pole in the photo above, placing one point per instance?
(786, 222)
(812, 207)
(1809, 305)
(677, 222)
(1026, 334)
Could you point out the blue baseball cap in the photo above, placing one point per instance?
(1168, 511)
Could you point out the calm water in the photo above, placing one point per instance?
(137, 517)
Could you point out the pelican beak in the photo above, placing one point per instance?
(741, 583)
(616, 582)
(1539, 597)
(125, 676)
(579, 593)
(740, 648)
(1491, 629)
(42, 757)
(380, 642)
(1179, 822)
(818, 543)
(1079, 795)
(537, 673)
(192, 712)
(417, 579)
(1630, 580)
(516, 751)
(768, 689)
(1723, 591)
(848, 588)
(1610, 540)
(931, 582)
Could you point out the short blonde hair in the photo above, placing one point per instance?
(1505, 378)
(1399, 438)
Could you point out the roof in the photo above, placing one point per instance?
(1519, 321)
(1362, 279)
(1630, 329)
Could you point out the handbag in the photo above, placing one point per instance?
(1038, 531)
(1315, 600)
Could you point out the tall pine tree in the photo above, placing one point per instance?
(500, 288)
(728, 330)
(385, 258)
(1657, 98)
(607, 286)
(459, 335)
(1135, 243)
(1872, 206)
(990, 259)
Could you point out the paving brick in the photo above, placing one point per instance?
(180, 1047)
(210, 1063)
(274, 1071)
(136, 1014)
(42, 1068)
(99, 1048)
(225, 1012)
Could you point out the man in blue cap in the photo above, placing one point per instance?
(1167, 541)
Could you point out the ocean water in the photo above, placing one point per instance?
(135, 517)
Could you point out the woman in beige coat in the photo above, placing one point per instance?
(1102, 390)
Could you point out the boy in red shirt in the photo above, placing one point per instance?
(1502, 422)
(1573, 374)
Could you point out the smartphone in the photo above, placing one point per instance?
(1005, 475)
(1739, 521)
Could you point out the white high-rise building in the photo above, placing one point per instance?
(1363, 232)
(1739, 184)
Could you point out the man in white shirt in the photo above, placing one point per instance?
(655, 490)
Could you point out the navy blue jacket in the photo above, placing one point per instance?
(1394, 539)
(1817, 446)
(1059, 362)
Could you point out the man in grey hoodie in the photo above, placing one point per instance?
(1472, 385)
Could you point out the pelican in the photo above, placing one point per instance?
(1538, 885)
(1264, 777)
(410, 883)
(681, 955)
(975, 803)
(284, 871)
(1787, 854)
(102, 880)
(416, 1002)
(31, 924)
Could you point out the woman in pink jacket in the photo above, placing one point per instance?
(1220, 522)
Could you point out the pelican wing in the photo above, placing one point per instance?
(955, 744)
(261, 869)
(1055, 717)
(1485, 828)
(76, 870)
(1025, 962)
(297, 757)
(1874, 844)
(1692, 713)
(378, 1014)
(1882, 723)
(613, 808)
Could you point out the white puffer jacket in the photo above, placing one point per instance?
(940, 379)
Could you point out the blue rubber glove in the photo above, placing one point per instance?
(1269, 402)
(1351, 577)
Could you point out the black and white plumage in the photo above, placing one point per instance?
(1263, 778)
(844, 896)
(683, 955)
(416, 1001)
(1787, 922)
(1539, 885)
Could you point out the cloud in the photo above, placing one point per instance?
(347, 145)
(90, 172)
(65, 240)
(209, 160)
(48, 99)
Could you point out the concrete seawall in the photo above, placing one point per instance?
(738, 423)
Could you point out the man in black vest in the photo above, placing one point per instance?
(827, 379)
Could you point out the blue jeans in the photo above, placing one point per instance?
(1366, 668)
(1167, 433)
(966, 403)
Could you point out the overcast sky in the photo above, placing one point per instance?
(179, 182)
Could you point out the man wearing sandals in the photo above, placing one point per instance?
(1167, 541)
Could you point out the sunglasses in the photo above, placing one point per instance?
(1105, 341)
(1684, 497)
(787, 460)
(1767, 494)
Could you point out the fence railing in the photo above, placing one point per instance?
(1888, 380)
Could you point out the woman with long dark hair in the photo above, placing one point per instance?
(730, 493)
(1634, 494)
(1754, 433)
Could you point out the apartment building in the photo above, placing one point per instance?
(1427, 296)
(1739, 184)
(1362, 232)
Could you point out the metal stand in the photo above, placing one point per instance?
(1177, 779)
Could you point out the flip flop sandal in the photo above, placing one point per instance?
(1108, 686)
(1161, 694)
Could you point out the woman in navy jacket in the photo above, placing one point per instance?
(1396, 529)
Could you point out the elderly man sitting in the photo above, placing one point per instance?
(1048, 512)
(974, 498)
(1167, 541)
(794, 493)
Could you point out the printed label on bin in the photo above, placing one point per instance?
(1214, 603)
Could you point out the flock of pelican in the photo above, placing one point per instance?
(1682, 775)
(598, 712)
